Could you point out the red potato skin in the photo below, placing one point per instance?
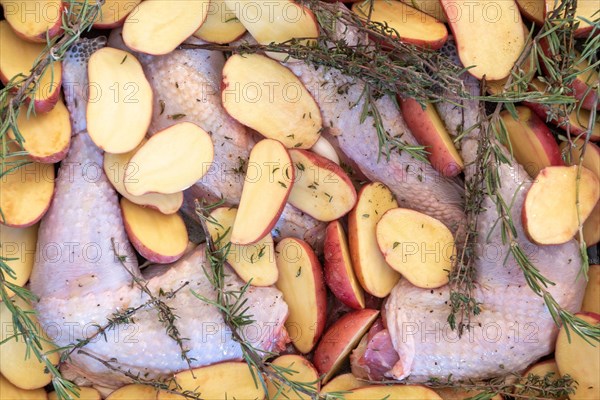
(418, 123)
(541, 109)
(336, 276)
(53, 158)
(43, 105)
(545, 138)
(337, 337)
(115, 24)
(54, 31)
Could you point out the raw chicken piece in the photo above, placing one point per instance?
(186, 86)
(514, 328)
(82, 283)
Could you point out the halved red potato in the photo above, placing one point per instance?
(159, 26)
(497, 87)
(119, 106)
(418, 246)
(85, 393)
(24, 372)
(221, 25)
(46, 137)
(476, 24)
(429, 130)
(587, 10)
(340, 339)
(170, 161)
(157, 237)
(134, 391)
(254, 263)
(580, 360)
(301, 282)
(266, 96)
(413, 26)
(222, 381)
(321, 188)
(275, 21)
(18, 57)
(114, 166)
(114, 12)
(339, 274)
(27, 189)
(550, 213)
(343, 383)
(399, 392)
(34, 20)
(591, 299)
(585, 85)
(431, 7)
(300, 370)
(10, 391)
(530, 141)
(18, 249)
(460, 394)
(372, 271)
(269, 170)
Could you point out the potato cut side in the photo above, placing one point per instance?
(301, 282)
(46, 137)
(342, 383)
(476, 24)
(322, 189)
(24, 372)
(325, 149)
(119, 107)
(429, 130)
(413, 26)
(18, 249)
(268, 183)
(431, 7)
(114, 167)
(12, 392)
(550, 214)
(34, 20)
(170, 161)
(586, 83)
(85, 393)
(27, 189)
(339, 274)
(418, 246)
(399, 392)
(340, 339)
(114, 12)
(372, 271)
(18, 57)
(159, 26)
(223, 381)
(267, 97)
(254, 263)
(530, 141)
(134, 391)
(587, 10)
(301, 370)
(450, 393)
(221, 25)
(157, 237)
(497, 87)
(276, 21)
(580, 359)
(591, 300)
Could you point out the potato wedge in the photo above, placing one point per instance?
(18, 56)
(372, 271)
(157, 237)
(266, 96)
(591, 299)
(12, 392)
(226, 380)
(322, 189)
(85, 393)
(119, 106)
(550, 213)
(301, 282)
(114, 12)
(396, 392)
(134, 391)
(570, 351)
(254, 263)
(18, 249)
(34, 20)
(24, 372)
(343, 383)
(114, 166)
(431, 7)
(339, 274)
(159, 26)
(170, 161)
(340, 339)
(269, 171)
(221, 25)
(460, 394)
(418, 246)
(27, 189)
(301, 370)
